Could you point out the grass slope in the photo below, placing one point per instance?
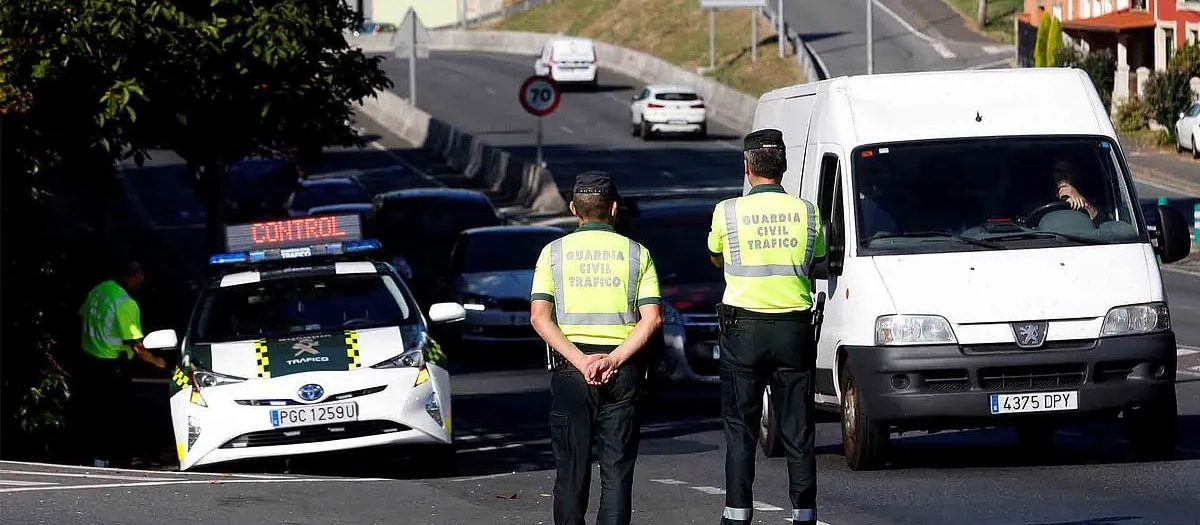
(1000, 16)
(674, 30)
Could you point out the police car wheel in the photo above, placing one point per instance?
(864, 442)
(1153, 430)
(768, 430)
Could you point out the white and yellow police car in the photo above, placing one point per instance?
(302, 344)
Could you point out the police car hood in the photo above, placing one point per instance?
(1019, 285)
(499, 285)
(310, 352)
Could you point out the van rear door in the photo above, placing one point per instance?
(568, 55)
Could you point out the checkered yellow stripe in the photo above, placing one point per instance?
(264, 362)
(352, 349)
(180, 378)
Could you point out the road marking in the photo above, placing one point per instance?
(758, 505)
(1181, 271)
(669, 481)
(667, 174)
(710, 490)
(400, 160)
(191, 482)
(89, 476)
(489, 448)
(995, 50)
(489, 90)
(1182, 350)
(24, 483)
(567, 130)
(936, 44)
(991, 65)
(486, 476)
(139, 471)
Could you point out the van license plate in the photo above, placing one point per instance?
(314, 415)
(1039, 402)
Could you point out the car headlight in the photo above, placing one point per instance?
(1136, 319)
(415, 342)
(206, 379)
(671, 315)
(893, 330)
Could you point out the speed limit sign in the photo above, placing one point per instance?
(540, 95)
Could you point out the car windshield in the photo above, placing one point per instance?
(677, 96)
(278, 307)
(992, 194)
(328, 194)
(679, 248)
(504, 252)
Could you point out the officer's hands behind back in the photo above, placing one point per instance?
(598, 369)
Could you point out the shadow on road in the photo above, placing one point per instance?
(601, 87)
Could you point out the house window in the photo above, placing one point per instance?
(1057, 12)
(1169, 37)
(1085, 9)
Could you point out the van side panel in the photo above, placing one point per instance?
(795, 124)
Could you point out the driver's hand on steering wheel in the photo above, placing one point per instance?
(1077, 201)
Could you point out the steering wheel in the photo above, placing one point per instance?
(1036, 215)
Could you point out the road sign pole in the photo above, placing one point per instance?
(412, 66)
(870, 37)
(712, 38)
(540, 162)
(779, 27)
(753, 35)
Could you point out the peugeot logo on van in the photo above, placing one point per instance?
(1029, 335)
(311, 392)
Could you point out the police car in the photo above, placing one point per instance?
(302, 344)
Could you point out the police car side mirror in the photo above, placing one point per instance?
(446, 313)
(161, 340)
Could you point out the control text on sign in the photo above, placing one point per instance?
(302, 232)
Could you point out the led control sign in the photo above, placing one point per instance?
(304, 231)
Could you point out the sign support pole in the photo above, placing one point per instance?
(870, 37)
(753, 35)
(412, 66)
(779, 27)
(712, 39)
(540, 162)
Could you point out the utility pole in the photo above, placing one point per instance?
(870, 37)
(712, 39)
(779, 27)
(982, 14)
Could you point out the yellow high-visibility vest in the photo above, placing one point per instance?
(767, 241)
(596, 279)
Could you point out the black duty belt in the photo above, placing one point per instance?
(729, 314)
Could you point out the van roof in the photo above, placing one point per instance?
(945, 104)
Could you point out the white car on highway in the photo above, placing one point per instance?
(568, 61)
(304, 345)
(1187, 130)
(668, 109)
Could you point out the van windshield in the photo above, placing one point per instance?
(992, 194)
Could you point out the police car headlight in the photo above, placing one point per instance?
(893, 330)
(205, 379)
(671, 315)
(1136, 319)
(413, 358)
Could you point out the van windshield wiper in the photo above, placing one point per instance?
(1047, 235)
(938, 233)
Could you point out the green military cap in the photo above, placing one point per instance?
(763, 138)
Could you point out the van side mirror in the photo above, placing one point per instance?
(1172, 235)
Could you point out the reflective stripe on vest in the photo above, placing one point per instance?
(102, 320)
(629, 316)
(734, 265)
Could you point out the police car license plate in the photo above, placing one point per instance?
(1039, 402)
(313, 415)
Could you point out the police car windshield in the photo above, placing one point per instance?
(679, 248)
(503, 252)
(278, 307)
(991, 194)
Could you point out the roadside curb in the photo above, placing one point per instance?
(1164, 180)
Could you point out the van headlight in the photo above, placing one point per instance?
(1136, 319)
(891, 330)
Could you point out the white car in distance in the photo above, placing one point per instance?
(568, 61)
(668, 109)
(1187, 130)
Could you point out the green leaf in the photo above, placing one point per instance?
(132, 113)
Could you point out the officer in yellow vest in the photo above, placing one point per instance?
(111, 336)
(595, 301)
(765, 242)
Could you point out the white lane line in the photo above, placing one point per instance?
(567, 130)
(991, 65)
(995, 50)
(89, 476)
(669, 481)
(1182, 350)
(766, 507)
(489, 448)
(710, 490)
(14, 483)
(936, 44)
(139, 471)
(487, 476)
(400, 160)
(191, 482)
(1180, 270)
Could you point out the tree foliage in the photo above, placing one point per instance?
(1100, 66)
(1039, 47)
(1187, 60)
(1167, 93)
(1054, 42)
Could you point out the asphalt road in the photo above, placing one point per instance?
(910, 35)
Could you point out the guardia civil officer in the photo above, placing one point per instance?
(765, 243)
(595, 301)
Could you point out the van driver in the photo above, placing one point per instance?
(1066, 176)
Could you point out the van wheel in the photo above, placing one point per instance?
(768, 428)
(645, 131)
(864, 442)
(1154, 429)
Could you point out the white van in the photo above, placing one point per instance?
(568, 61)
(960, 290)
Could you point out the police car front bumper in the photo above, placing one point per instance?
(238, 423)
(949, 386)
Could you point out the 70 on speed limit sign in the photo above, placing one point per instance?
(540, 95)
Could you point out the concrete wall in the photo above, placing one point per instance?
(433, 13)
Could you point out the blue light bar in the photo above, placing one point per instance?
(279, 254)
